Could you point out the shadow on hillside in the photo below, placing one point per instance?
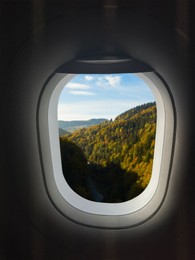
(94, 182)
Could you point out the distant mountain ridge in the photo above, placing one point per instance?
(71, 126)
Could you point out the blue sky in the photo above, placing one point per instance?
(101, 96)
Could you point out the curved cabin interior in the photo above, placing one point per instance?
(118, 181)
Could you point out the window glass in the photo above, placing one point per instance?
(107, 126)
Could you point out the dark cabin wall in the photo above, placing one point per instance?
(19, 239)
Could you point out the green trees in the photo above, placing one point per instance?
(123, 147)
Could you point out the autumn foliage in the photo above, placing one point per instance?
(112, 161)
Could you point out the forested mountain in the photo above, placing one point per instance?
(112, 161)
(71, 126)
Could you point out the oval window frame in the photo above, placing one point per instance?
(95, 214)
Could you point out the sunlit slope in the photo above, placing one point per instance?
(126, 144)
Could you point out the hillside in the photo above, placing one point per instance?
(119, 155)
(62, 132)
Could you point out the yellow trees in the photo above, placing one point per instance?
(127, 142)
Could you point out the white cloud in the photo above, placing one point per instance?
(89, 78)
(108, 81)
(83, 93)
(113, 80)
(72, 85)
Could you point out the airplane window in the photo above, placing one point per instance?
(106, 143)
(107, 127)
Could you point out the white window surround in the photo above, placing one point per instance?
(56, 185)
